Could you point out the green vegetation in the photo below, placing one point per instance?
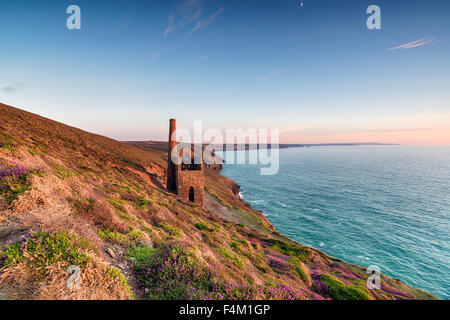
(126, 239)
(117, 204)
(82, 206)
(12, 189)
(174, 231)
(298, 269)
(115, 273)
(8, 147)
(229, 256)
(203, 227)
(290, 250)
(340, 291)
(62, 172)
(40, 249)
(142, 255)
(142, 203)
(7, 141)
(14, 181)
(174, 273)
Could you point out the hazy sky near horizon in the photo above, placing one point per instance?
(315, 71)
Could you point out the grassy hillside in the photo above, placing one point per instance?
(68, 197)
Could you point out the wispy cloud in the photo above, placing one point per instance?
(205, 57)
(414, 44)
(170, 26)
(267, 76)
(12, 88)
(155, 56)
(204, 23)
(189, 12)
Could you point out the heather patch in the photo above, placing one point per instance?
(39, 249)
(35, 267)
(14, 181)
(173, 273)
(278, 262)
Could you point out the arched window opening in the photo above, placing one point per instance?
(191, 194)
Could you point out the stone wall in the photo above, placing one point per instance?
(191, 178)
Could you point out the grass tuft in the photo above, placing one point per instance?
(340, 291)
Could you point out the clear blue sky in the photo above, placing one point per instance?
(314, 71)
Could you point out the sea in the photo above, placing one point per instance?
(384, 206)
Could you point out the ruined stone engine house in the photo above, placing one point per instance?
(186, 175)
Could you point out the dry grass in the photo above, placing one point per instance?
(24, 283)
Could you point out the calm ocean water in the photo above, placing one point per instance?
(377, 205)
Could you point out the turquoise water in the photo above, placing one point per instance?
(380, 205)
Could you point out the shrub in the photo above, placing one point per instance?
(230, 256)
(235, 245)
(83, 206)
(297, 268)
(174, 231)
(15, 181)
(142, 203)
(288, 249)
(278, 263)
(172, 273)
(340, 291)
(203, 227)
(40, 249)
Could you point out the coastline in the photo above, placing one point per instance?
(319, 249)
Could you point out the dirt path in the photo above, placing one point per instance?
(213, 205)
(238, 216)
(224, 212)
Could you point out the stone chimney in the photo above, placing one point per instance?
(171, 166)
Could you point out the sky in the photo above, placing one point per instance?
(311, 68)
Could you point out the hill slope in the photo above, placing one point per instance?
(102, 205)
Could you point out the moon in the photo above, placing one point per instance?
(301, 4)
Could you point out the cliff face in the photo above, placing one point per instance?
(68, 197)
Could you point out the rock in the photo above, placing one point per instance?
(111, 252)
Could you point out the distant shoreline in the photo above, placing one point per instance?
(229, 147)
